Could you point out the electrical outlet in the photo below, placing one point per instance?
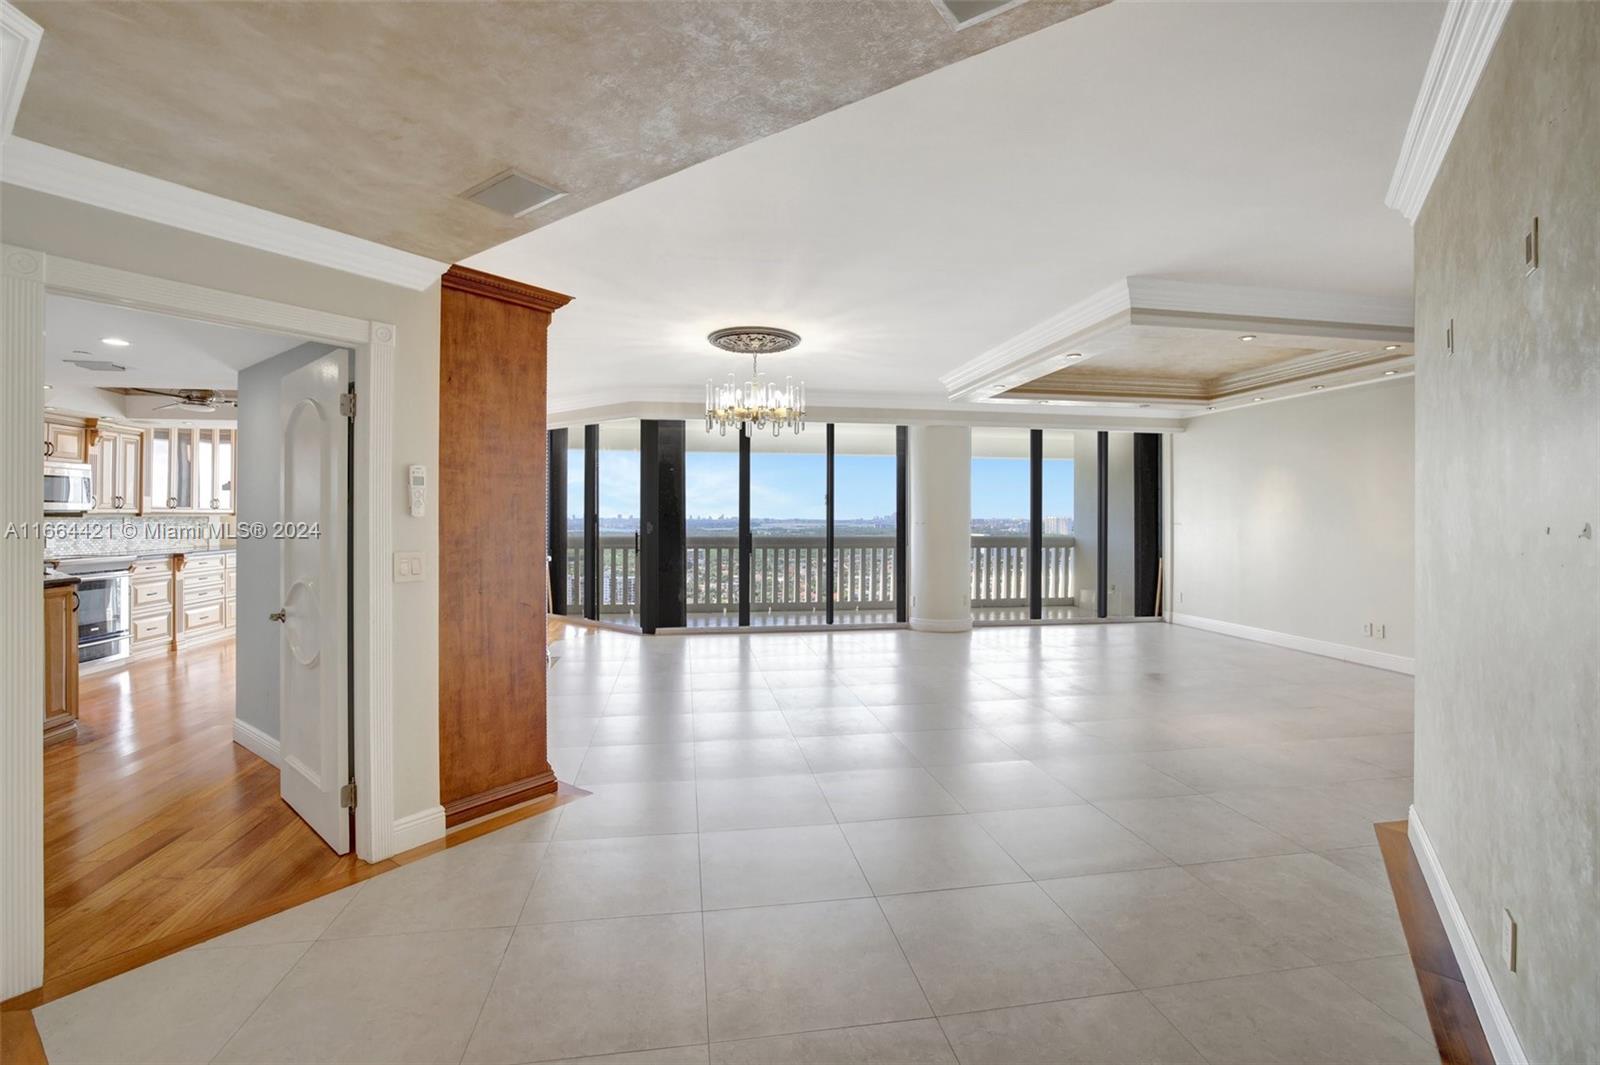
(1530, 249)
(1382, 632)
(408, 567)
(1366, 628)
(1180, 597)
(1508, 942)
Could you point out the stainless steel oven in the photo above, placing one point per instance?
(103, 606)
(68, 488)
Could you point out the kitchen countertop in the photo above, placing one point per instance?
(57, 580)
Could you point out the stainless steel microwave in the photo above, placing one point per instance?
(68, 488)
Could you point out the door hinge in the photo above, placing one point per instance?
(347, 404)
(347, 796)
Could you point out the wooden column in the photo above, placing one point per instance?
(492, 569)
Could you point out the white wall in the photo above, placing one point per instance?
(257, 640)
(62, 227)
(1296, 517)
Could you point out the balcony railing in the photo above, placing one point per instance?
(786, 573)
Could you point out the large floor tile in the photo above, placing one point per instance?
(476, 886)
(1195, 828)
(301, 924)
(746, 725)
(694, 1054)
(1001, 785)
(774, 756)
(955, 746)
(987, 947)
(624, 877)
(929, 853)
(1364, 862)
(409, 998)
(179, 1009)
(1068, 841)
(761, 802)
(632, 809)
(832, 721)
(1327, 913)
(896, 1043)
(1123, 1029)
(869, 750)
(1112, 776)
(770, 866)
(1292, 1017)
(595, 987)
(783, 969)
(868, 794)
(630, 730)
(1163, 926)
(636, 763)
(1320, 817)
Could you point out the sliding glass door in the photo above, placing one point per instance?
(711, 529)
(1002, 506)
(866, 524)
(788, 528)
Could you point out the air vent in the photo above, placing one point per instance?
(512, 193)
(964, 13)
(98, 365)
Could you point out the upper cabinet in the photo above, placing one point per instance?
(191, 468)
(66, 441)
(116, 461)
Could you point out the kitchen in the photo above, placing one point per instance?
(161, 450)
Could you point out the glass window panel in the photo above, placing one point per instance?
(619, 521)
(864, 524)
(788, 527)
(160, 468)
(711, 525)
(1069, 524)
(1127, 479)
(225, 469)
(1001, 505)
(183, 488)
(204, 469)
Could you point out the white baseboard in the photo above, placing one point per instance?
(941, 625)
(256, 742)
(1326, 648)
(1503, 1041)
(413, 830)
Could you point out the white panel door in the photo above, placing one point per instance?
(313, 708)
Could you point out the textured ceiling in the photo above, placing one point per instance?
(371, 118)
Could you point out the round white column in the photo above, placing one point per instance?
(940, 536)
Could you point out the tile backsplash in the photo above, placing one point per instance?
(70, 537)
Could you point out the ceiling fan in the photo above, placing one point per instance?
(201, 400)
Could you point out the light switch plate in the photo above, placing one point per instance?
(1508, 942)
(408, 567)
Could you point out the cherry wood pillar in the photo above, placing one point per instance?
(492, 568)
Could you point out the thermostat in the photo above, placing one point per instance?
(417, 477)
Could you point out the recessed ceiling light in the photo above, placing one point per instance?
(1257, 399)
(1391, 347)
(1248, 337)
(114, 342)
(1316, 388)
(1390, 373)
(1073, 355)
(48, 387)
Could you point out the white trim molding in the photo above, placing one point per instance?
(1326, 648)
(1497, 1027)
(940, 625)
(413, 830)
(19, 44)
(1466, 39)
(30, 165)
(256, 742)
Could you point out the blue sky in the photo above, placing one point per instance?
(789, 485)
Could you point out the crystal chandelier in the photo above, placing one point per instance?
(757, 403)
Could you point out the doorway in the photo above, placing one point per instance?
(251, 844)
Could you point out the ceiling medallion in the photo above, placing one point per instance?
(757, 403)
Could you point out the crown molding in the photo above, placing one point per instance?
(1466, 39)
(1039, 349)
(19, 43)
(30, 165)
(1042, 348)
(504, 289)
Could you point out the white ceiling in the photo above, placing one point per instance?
(164, 351)
(1238, 143)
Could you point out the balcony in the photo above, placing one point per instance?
(787, 578)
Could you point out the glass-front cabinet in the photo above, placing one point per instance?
(191, 468)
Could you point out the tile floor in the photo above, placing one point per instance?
(1127, 843)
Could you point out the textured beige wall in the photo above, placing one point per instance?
(61, 227)
(1508, 474)
(1297, 517)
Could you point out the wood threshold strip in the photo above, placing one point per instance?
(1457, 1032)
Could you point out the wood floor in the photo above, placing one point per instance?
(157, 823)
(1456, 1028)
